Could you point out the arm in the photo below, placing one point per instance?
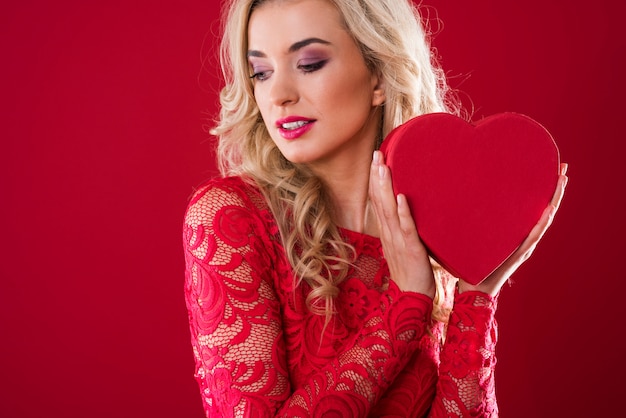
(467, 361)
(466, 374)
(233, 311)
(236, 326)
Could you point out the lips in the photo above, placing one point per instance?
(293, 127)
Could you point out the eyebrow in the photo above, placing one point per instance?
(293, 48)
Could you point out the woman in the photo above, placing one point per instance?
(294, 310)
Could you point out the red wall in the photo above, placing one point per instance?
(103, 110)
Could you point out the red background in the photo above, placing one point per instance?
(103, 110)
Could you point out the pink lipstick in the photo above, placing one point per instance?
(293, 127)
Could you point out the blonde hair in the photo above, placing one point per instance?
(395, 45)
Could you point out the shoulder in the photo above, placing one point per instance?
(226, 191)
(227, 218)
(228, 198)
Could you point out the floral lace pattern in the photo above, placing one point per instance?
(259, 352)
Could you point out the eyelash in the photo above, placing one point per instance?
(307, 68)
(260, 76)
(311, 68)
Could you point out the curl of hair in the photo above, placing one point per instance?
(394, 42)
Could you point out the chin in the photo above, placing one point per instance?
(298, 158)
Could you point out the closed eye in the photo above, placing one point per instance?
(310, 68)
(261, 75)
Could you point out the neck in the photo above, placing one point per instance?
(346, 178)
(348, 191)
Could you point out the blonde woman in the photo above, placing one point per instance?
(308, 289)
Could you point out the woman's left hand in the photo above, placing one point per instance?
(493, 283)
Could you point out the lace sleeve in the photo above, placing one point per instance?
(466, 373)
(233, 311)
(236, 324)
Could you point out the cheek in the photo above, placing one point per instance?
(351, 102)
(339, 96)
(353, 88)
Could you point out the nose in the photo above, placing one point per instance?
(283, 90)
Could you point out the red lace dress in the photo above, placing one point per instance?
(259, 352)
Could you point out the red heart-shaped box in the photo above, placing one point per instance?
(475, 190)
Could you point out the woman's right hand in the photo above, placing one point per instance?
(407, 258)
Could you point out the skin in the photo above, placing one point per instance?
(307, 65)
(343, 97)
(304, 63)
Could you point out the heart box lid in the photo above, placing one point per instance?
(475, 190)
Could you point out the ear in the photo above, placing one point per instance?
(378, 94)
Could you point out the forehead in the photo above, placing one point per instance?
(283, 22)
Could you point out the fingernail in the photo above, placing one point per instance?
(564, 169)
(376, 157)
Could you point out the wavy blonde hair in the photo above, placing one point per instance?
(395, 44)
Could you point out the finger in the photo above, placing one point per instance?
(373, 173)
(374, 181)
(376, 157)
(560, 189)
(407, 224)
(382, 198)
(386, 207)
(536, 233)
(377, 173)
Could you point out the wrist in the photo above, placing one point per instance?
(464, 286)
(424, 285)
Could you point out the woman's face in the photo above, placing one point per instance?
(317, 97)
